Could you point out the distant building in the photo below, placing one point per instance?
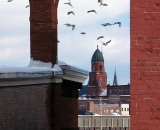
(98, 96)
(97, 76)
(125, 109)
(100, 108)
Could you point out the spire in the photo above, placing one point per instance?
(115, 78)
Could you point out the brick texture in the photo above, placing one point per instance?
(37, 107)
(145, 64)
(43, 30)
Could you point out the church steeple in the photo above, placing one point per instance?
(115, 83)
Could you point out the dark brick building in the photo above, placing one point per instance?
(35, 99)
(43, 96)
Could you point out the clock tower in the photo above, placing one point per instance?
(97, 76)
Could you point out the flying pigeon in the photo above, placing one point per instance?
(106, 24)
(71, 12)
(105, 44)
(27, 6)
(91, 11)
(103, 4)
(9, 0)
(83, 33)
(69, 3)
(118, 23)
(100, 1)
(100, 37)
(68, 25)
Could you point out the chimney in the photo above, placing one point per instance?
(43, 32)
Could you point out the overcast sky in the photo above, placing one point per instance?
(74, 49)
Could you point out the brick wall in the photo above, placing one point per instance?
(145, 64)
(43, 30)
(37, 107)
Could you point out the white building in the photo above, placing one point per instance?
(125, 109)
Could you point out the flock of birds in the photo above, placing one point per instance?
(90, 11)
(83, 33)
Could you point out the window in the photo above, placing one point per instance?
(122, 109)
(127, 109)
(100, 67)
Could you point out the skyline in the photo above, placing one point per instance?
(74, 49)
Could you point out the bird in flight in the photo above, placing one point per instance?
(105, 44)
(58, 41)
(100, 37)
(103, 4)
(106, 24)
(27, 6)
(69, 3)
(9, 0)
(83, 33)
(68, 25)
(91, 11)
(118, 23)
(100, 1)
(71, 12)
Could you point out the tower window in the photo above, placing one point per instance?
(100, 67)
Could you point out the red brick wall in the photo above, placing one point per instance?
(145, 64)
(37, 107)
(43, 30)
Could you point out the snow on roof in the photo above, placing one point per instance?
(61, 63)
(37, 63)
(104, 93)
(16, 72)
(36, 69)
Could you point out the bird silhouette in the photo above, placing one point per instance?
(58, 41)
(27, 6)
(9, 0)
(100, 1)
(106, 24)
(83, 33)
(118, 23)
(105, 44)
(71, 12)
(100, 37)
(69, 3)
(68, 25)
(103, 4)
(91, 11)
